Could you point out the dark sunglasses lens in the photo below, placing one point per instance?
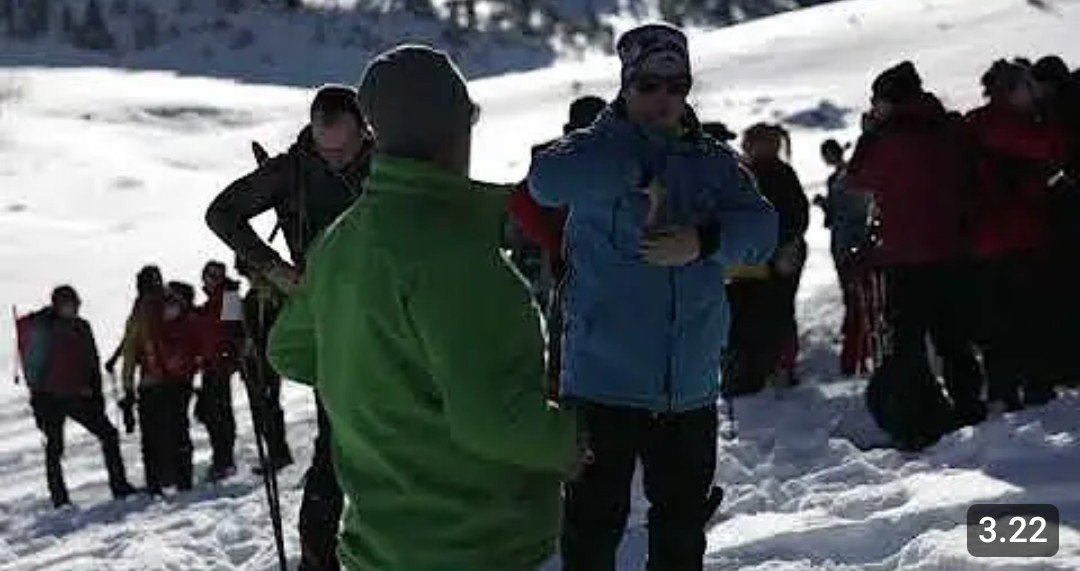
(647, 86)
(679, 87)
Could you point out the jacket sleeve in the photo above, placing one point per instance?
(540, 225)
(93, 358)
(485, 353)
(800, 208)
(292, 349)
(130, 346)
(585, 166)
(229, 215)
(742, 229)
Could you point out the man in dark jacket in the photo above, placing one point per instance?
(308, 188)
(912, 158)
(63, 370)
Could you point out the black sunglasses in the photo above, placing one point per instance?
(675, 85)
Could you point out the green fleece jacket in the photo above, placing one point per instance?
(427, 353)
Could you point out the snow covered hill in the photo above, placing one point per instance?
(102, 170)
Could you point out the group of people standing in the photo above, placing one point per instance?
(970, 220)
(467, 431)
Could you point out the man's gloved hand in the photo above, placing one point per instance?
(672, 246)
(284, 277)
(127, 406)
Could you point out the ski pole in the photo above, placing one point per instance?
(16, 358)
(257, 401)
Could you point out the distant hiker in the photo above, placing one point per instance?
(220, 348)
(1059, 106)
(541, 227)
(149, 288)
(307, 188)
(914, 161)
(426, 348)
(658, 210)
(847, 217)
(764, 335)
(164, 346)
(63, 372)
(1018, 156)
(261, 307)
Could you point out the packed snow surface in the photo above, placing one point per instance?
(103, 170)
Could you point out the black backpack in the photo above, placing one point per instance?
(907, 401)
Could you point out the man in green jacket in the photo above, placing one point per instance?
(426, 348)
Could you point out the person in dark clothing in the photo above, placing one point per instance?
(62, 369)
(262, 304)
(846, 216)
(219, 338)
(308, 188)
(148, 284)
(914, 160)
(166, 350)
(1018, 156)
(764, 334)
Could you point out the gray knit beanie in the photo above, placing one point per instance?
(416, 101)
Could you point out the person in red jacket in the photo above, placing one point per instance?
(913, 160)
(165, 348)
(220, 336)
(62, 369)
(542, 227)
(1018, 156)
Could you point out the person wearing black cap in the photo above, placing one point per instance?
(914, 161)
(63, 372)
(427, 348)
(658, 210)
(308, 187)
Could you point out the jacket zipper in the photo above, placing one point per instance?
(672, 314)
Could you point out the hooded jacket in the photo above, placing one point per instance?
(638, 335)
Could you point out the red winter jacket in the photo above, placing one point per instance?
(541, 225)
(917, 167)
(218, 339)
(59, 355)
(1017, 157)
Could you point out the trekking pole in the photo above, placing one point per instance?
(256, 399)
(16, 357)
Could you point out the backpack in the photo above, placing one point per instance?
(907, 401)
(34, 342)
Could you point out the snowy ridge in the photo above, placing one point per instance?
(103, 170)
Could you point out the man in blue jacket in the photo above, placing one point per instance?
(658, 210)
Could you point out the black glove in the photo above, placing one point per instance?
(127, 406)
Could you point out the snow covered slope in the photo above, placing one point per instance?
(103, 170)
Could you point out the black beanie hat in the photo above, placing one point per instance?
(333, 100)
(64, 294)
(1050, 69)
(583, 112)
(416, 100)
(1004, 76)
(897, 84)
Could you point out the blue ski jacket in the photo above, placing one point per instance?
(638, 335)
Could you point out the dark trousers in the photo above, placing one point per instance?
(320, 511)
(934, 300)
(50, 412)
(1016, 350)
(215, 411)
(166, 434)
(678, 452)
(764, 335)
(264, 395)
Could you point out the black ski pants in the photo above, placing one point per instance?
(678, 452)
(50, 412)
(166, 434)
(1017, 351)
(215, 411)
(935, 300)
(320, 510)
(264, 395)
